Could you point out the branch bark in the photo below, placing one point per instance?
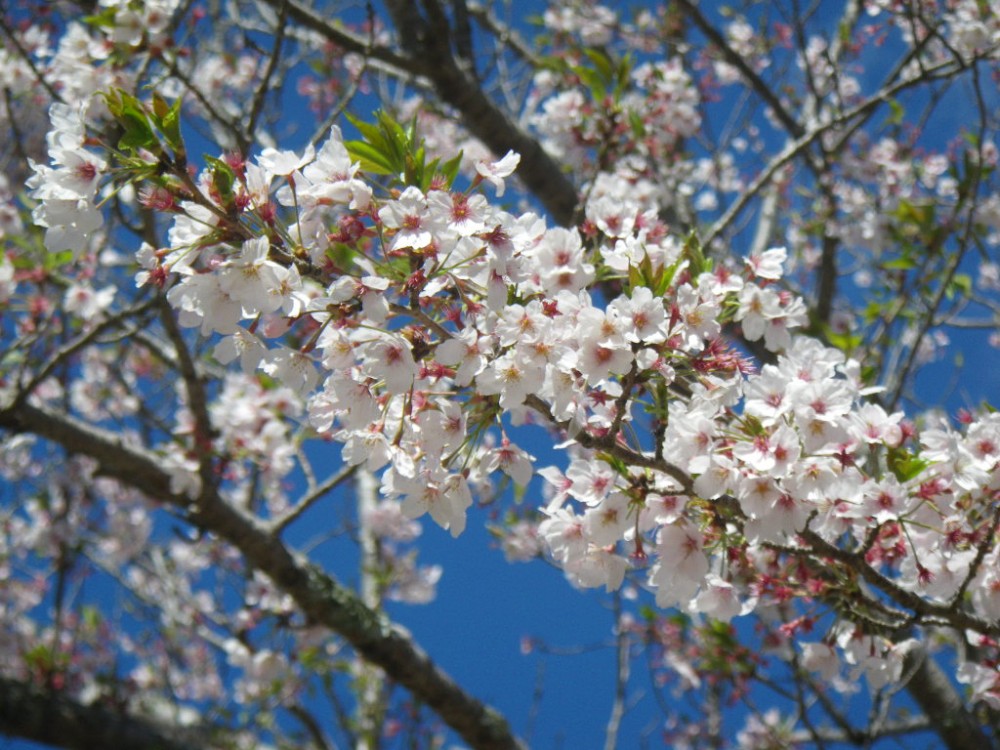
(427, 54)
(941, 704)
(322, 598)
(53, 719)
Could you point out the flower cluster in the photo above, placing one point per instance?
(66, 190)
(714, 447)
(429, 320)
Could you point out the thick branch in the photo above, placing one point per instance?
(541, 174)
(429, 56)
(323, 600)
(53, 719)
(937, 698)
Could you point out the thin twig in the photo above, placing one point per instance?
(621, 676)
(265, 83)
(279, 524)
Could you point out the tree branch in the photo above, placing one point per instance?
(343, 38)
(922, 608)
(541, 174)
(756, 83)
(857, 114)
(937, 698)
(53, 719)
(321, 597)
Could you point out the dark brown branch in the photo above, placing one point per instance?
(257, 108)
(463, 37)
(196, 396)
(937, 698)
(827, 274)
(53, 719)
(924, 609)
(541, 174)
(322, 598)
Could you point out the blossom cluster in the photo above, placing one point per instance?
(66, 190)
(424, 325)
(420, 325)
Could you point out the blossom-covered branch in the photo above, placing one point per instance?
(756, 233)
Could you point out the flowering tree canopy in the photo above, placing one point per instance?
(258, 252)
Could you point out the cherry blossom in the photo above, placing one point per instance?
(716, 330)
(495, 172)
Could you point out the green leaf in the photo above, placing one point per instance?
(44, 659)
(104, 19)
(59, 259)
(342, 256)
(624, 74)
(635, 278)
(666, 278)
(602, 64)
(394, 135)
(138, 134)
(844, 33)
(91, 618)
(131, 115)
(370, 158)
(389, 148)
(160, 107)
(113, 101)
(614, 462)
(450, 169)
(520, 491)
(896, 112)
(604, 76)
(721, 630)
(383, 150)
(222, 176)
(872, 312)
(753, 426)
(637, 125)
(904, 465)
(369, 132)
(646, 267)
(921, 215)
(416, 174)
(900, 264)
(692, 251)
(592, 80)
(845, 341)
(170, 125)
(960, 285)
